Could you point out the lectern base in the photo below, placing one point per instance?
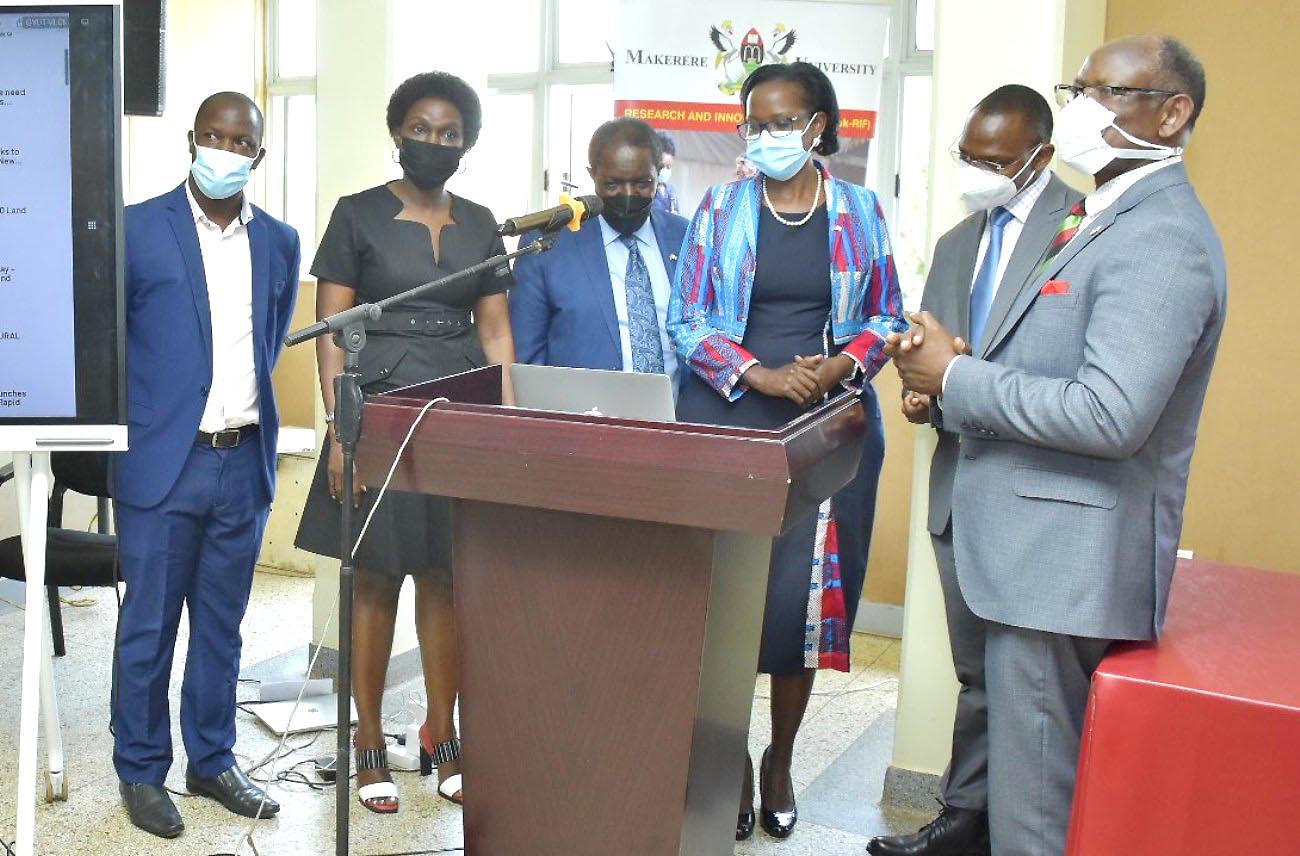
(607, 676)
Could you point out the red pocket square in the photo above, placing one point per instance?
(1055, 286)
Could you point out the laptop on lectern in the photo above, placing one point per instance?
(595, 392)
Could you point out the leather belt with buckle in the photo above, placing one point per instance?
(227, 439)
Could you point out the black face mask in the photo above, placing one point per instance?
(429, 165)
(626, 213)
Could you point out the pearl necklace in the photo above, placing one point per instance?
(816, 198)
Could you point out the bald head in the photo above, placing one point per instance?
(1162, 62)
(233, 105)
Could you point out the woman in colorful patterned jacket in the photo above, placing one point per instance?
(767, 334)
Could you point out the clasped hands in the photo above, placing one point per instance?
(922, 355)
(805, 381)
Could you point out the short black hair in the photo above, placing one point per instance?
(442, 85)
(667, 143)
(1180, 71)
(625, 131)
(817, 90)
(238, 98)
(1021, 101)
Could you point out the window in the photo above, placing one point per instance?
(290, 135)
(545, 82)
(899, 163)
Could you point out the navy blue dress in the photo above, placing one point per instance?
(788, 314)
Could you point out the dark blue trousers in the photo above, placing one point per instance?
(196, 549)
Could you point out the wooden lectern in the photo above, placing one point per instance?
(610, 578)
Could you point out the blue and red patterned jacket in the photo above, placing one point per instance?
(709, 306)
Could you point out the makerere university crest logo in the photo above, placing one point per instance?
(738, 60)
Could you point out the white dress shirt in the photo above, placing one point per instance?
(1110, 192)
(616, 255)
(228, 267)
(1019, 207)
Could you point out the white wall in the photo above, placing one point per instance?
(211, 47)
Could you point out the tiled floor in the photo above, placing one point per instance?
(839, 760)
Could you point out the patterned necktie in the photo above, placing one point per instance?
(1069, 226)
(986, 281)
(642, 319)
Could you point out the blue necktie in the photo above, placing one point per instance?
(642, 319)
(986, 281)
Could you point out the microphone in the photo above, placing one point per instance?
(572, 211)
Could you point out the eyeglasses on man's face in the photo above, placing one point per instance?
(1067, 92)
(990, 165)
(776, 127)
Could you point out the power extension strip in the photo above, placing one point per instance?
(405, 757)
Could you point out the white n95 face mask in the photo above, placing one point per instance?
(1080, 143)
(982, 189)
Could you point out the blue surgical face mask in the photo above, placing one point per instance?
(218, 173)
(780, 157)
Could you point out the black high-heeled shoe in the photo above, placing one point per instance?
(745, 819)
(778, 824)
(744, 825)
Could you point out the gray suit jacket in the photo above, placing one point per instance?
(1078, 420)
(947, 296)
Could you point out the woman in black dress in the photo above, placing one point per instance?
(380, 242)
(785, 295)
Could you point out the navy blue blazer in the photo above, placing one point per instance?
(562, 305)
(169, 340)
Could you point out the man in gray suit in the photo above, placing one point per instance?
(977, 272)
(1076, 418)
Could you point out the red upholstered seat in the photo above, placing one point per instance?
(1192, 745)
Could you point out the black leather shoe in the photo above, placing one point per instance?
(778, 824)
(151, 808)
(235, 791)
(744, 825)
(955, 832)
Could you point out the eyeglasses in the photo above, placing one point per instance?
(991, 166)
(1067, 92)
(777, 127)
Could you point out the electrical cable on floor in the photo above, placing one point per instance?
(311, 667)
(8, 847)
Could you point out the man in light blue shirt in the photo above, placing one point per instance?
(599, 299)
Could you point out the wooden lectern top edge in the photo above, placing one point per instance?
(706, 476)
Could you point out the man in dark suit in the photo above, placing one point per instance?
(1077, 419)
(210, 288)
(599, 299)
(978, 270)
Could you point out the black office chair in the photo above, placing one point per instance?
(72, 557)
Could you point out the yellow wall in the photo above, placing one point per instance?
(887, 564)
(295, 377)
(1242, 499)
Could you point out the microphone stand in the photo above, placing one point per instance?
(348, 329)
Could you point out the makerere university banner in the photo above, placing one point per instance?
(681, 63)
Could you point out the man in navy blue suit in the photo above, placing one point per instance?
(599, 299)
(210, 287)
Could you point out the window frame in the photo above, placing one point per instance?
(551, 73)
(276, 86)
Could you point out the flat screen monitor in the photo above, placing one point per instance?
(61, 255)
